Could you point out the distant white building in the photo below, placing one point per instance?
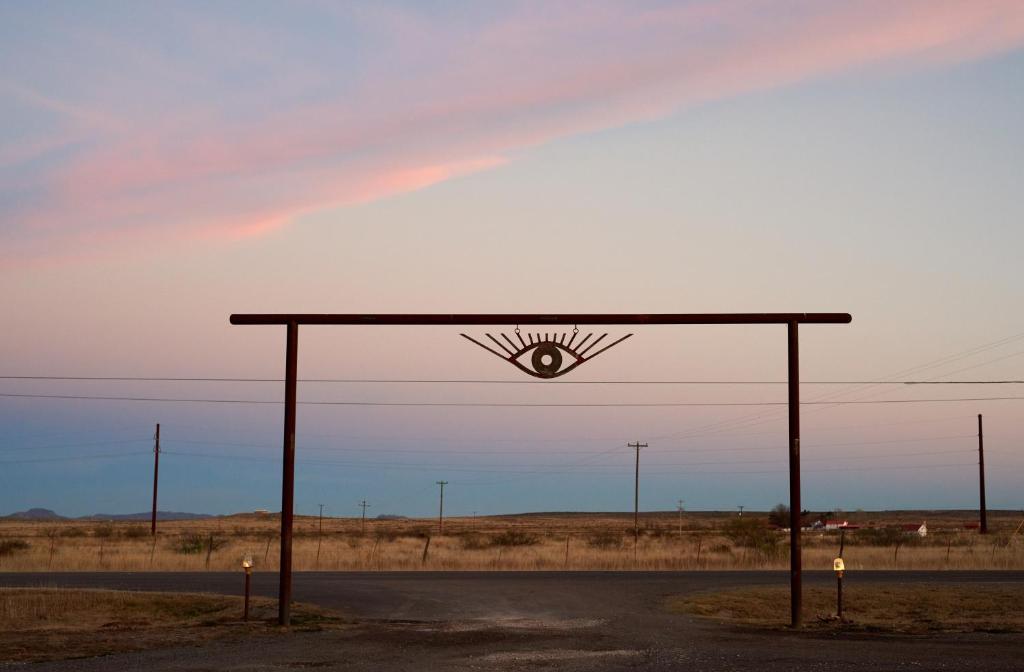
(920, 530)
(836, 524)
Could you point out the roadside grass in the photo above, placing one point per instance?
(916, 609)
(528, 542)
(39, 624)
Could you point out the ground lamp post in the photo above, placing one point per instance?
(247, 566)
(839, 568)
(544, 353)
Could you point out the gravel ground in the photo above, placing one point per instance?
(537, 620)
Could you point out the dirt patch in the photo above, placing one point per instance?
(554, 655)
(532, 624)
(55, 624)
(895, 608)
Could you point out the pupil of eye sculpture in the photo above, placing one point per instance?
(547, 360)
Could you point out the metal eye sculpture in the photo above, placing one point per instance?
(547, 358)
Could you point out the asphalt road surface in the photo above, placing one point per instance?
(538, 620)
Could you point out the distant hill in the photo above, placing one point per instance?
(147, 515)
(47, 514)
(36, 514)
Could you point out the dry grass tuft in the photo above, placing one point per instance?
(895, 608)
(53, 624)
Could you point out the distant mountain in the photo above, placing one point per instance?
(147, 515)
(47, 514)
(35, 514)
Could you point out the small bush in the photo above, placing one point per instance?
(73, 531)
(135, 532)
(880, 536)
(381, 534)
(473, 541)
(104, 531)
(192, 544)
(12, 546)
(514, 538)
(605, 539)
(754, 534)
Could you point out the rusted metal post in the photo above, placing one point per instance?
(293, 320)
(983, 529)
(248, 584)
(156, 473)
(284, 607)
(795, 564)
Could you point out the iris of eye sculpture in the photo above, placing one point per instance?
(547, 358)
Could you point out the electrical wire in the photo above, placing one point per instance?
(480, 381)
(487, 404)
(74, 458)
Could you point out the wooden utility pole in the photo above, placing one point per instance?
(636, 495)
(440, 512)
(319, 536)
(156, 476)
(362, 525)
(983, 529)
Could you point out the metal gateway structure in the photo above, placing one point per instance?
(292, 322)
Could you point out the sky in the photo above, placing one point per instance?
(164, 165)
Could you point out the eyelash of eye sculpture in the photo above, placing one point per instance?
(552, 345)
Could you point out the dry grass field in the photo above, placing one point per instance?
(53, 624)
(713, 541)
(906, 609)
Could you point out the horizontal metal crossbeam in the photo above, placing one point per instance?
(519, 318)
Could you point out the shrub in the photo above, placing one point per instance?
(136, 532)
(779, 515)
(191, 544)
(879, 536)
(382, 534)
(73, 531)
(104, 531)
(605, 539)
(514, 538)
(473, 541)
(12, 546)
(752, 533)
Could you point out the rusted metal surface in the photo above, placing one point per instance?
(795, 560)
(284, 607)
(983, 511)
(792, 320)
(549, 346)
(519, 318)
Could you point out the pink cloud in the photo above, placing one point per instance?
(439, 100)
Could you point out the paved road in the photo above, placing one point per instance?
(531, 620)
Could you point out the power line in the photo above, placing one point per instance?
(481, 381)
(112, 442)
(463, 404)
(548, 451)
(72, 458)
(562, 471)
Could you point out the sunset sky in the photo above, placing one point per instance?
(163, 165)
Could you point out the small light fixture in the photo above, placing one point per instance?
(247, 566)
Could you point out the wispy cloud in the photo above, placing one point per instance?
(175, 130)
